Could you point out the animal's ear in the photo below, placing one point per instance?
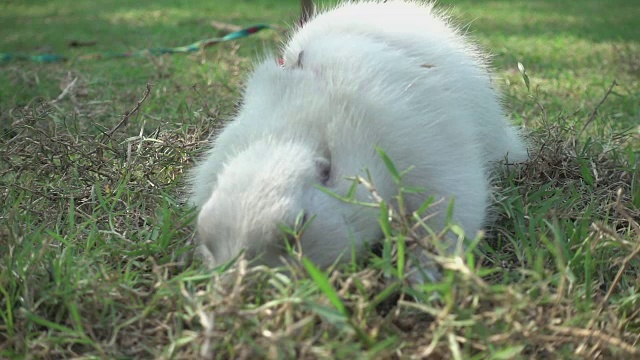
(297, 65)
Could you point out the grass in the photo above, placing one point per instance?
(95, 245)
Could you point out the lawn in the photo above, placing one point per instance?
(96, 246)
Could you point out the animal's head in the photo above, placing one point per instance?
(271, 184)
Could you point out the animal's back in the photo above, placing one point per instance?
(408, 54)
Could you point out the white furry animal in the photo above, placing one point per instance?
(391, 74)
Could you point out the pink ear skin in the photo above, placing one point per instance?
(298, 65)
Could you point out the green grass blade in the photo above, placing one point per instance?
(322, 281)
(395, 174)
(51, 325)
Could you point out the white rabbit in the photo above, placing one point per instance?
(391, 74)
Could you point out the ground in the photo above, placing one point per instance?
(95, 242)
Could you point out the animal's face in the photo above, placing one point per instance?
(268, 186)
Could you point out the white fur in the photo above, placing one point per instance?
(392, 74)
